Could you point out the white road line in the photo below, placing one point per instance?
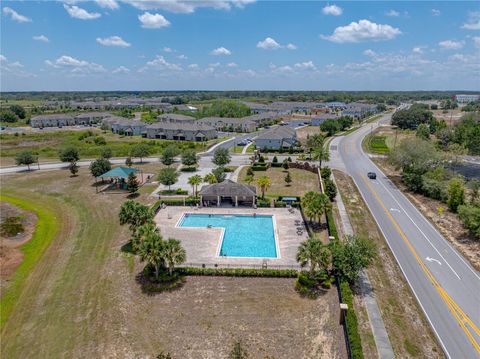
(440, 254)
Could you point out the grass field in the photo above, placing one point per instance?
(45, 230)
(81, 298)
(47, 144)
(407, 328)
(376, 144)
(302, 181)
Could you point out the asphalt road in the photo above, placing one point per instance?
(445, 285)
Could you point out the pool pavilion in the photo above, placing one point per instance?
(228, 193)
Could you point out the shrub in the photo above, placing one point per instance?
(332, 229)
(181, 191)
(325, 172)
(352, 322)
(309, 284)
(249, 171)
(99, 141)
(470, 216)
(330, 189)
(238, 272)
(11, 227)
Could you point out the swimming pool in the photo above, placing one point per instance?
(244, 235)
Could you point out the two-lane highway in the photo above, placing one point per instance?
(445, 285)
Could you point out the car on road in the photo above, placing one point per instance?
(372, 175)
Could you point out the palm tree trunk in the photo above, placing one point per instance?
(170, 269)
(156, 271)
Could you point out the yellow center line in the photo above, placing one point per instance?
(460, 316)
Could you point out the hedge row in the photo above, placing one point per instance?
(332, 229)
(238, 272)
(352, 322)
(259, 167)
(174, 202)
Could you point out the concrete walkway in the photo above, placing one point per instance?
(384, 347)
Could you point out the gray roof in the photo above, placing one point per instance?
(230, 120)
(57, 116)
(94, 114)
(176, 117)
(228, 188)
(181, 126)
(122, 121)
(278, 133)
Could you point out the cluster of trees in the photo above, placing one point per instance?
(466, 134)
(412, 117)
(472, 107)
(147, 241)
(331, 126)
(225, 108)
(423, 172)
(345, 259)
(12, 114)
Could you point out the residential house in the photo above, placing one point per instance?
(56, 120)
(125, 126)
(229, 124)
(180, 131)
(321, 118)
(175, 118)
(277, 138)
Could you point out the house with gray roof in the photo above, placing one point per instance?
(125, 126)
(175, 118)
(56, 120)
(229, 124)
(180, 131)
(90, 118)
(317, 120)
(277, 138)
(228, 192)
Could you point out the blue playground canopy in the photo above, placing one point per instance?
(119, 172)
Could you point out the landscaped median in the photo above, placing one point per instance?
(45, 230)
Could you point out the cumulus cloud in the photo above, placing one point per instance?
(308, 65)
(186, 6)
(451, 44)
(361, 31)
(75, 65)
(42, 38)
(153, 21)
(419, 49)
(193, 66)
(220, 51)
(121, 70)
(332, 10)
(113, 41)
(435, 12)
(369, 53)
(13, 68)
(473, 22)
(232, 64)
(159, 63)
(167, 49)
(108, 4)
(392, 13)
(270, 44)
(79, 13)
(2, 58)
(15, 16)
(182, 57)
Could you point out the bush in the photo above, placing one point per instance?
(238, 272)
(263, 203)
(325, 172)
(164, 283)
(259, 166)
(11, 227)
(470, 216)
(332, 229)
(99, 141)
(352, 322)
(175, 202)
(330, 189)
(309, 284)
(181, 191)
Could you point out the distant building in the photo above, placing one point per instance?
(180, 131)
(281, 137)
(467, 98)
(321, 118)
(125, 126)
(229, 124)
(61, 120)
(359, 110)
(175, 118)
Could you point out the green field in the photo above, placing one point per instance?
(376, 144)
(47, 144)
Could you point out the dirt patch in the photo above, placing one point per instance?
(304, 132)
(10, 254)
(407, 328)
(449, 225)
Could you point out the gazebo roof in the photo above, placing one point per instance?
(121, 172)
(228, 188)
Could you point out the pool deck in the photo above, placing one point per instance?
(202, 244)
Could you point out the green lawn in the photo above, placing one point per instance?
(302, 181)
(47, 144)
(45, 230)
(376, 144)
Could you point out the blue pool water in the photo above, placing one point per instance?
(245, 236)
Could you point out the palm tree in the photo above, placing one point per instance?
(314, 205)
(210, 178)
(143, 232)
(309, 252)
(151, 251)
(320, 154)
(264, 183)
(194, 181)
(173, 253)
(248, 179)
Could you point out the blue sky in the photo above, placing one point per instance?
(239, 45)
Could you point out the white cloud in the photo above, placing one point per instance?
(435, 12)
(232, 64)
(121, 70)
(113, 41)
(215, 64)
(370, 53)
(182, 57)
(451, 44)
(473, 22)
(332, 10)
(13, 68)
(270, 44)
(193, 66)
(3, 58)
(153, 21)
(476, 41)
(220, 51)
(108, 4)
(15, 16)
(16, 64)
(167, 49)
(364, 30)
(419, 49)
(79, 13)
(392, 13)
(160, 63)
(42, 38)
(187, 6)
(75, 65)
(308, 65)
